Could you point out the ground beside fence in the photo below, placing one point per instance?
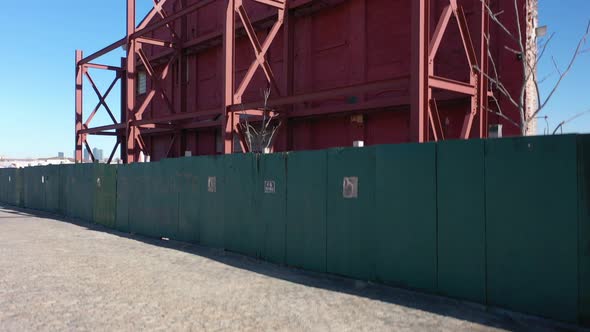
(57, 275)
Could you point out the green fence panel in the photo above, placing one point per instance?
(271, 190)
(81, 192)
(405, 218)
(306, 210)
(243, 228)
(123, 198)
(105, 199)
(51, 187)
(4, 185)
(66, 183)
(141, 218)
(20, 187)
(350, 212)
(34, 193)
(166, 188)
(584, 229)
(532, 224)
(189, 180)
(461, 219)
(211, 194)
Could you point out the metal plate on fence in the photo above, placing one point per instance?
(269, 187)
(212, 184)
(350, 187)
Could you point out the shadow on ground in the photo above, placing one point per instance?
(467, 311)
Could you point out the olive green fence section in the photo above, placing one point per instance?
(502, 222)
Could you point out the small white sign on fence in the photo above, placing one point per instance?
(212, 184)
(269, 187)
(350, 187)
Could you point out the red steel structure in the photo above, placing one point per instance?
(377, 71)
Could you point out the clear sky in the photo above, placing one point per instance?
(39, 39)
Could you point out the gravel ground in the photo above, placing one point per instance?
(66, 275)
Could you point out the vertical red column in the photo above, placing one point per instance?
(130, 84)
(288, 72)
(79, 96)
(419, 81)
(482, 78)
(228, 121)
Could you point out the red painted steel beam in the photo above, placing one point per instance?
(103, 67)
(162, 23)
(104, 51)
(178, 117)
(420, 62)
(484, 64)
(399, 83)
(229, 47)
(92, 131)
(439, 32)
(452, 85)
(113, 151)
(131, 131)
(155, 42)
(79, 105)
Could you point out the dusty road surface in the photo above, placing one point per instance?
(61, 275)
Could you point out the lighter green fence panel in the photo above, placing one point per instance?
(350, 211)
(405, 219)
(82, 190)
(531, 219)
(105, 200)
(271, 190)
(306, 210)
(211, 194)
(461, 219)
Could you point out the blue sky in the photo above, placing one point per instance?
(40, 37)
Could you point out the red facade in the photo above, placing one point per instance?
(355, 70)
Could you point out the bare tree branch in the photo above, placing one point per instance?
(563, 123)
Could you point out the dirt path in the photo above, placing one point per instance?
(56, 275)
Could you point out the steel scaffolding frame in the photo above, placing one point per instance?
(425, 123)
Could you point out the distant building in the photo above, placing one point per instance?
(97, 154)
(60, 155)
(86, 156)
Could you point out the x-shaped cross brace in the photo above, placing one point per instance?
(260, 50)
(101, 98)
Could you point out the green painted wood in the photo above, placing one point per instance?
(306, 210)
(188, 180)
(461, 220)
(123, 198)
(351, 221)
(271, 190)
(105, 200)
(244, 231)
(51, 188)
(166, 186)
(405, 219)
(212, 208)
(532, 225)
